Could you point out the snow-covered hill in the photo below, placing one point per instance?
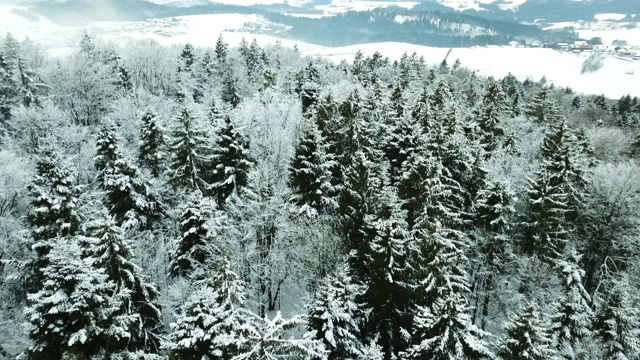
(461, 5)
(615, 79)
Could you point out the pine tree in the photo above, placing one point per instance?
(526, 338)
(357, 200)
(230, 91)
(151, 143)
(121, 77)
(442, 325)
(554, 196)
(571, 323)
(493, 112)
(191, 155)
(333, 316)
(129, 197)
(445, 331)
(106, 152)
(542, 108)
(546, 234)
(617, 324)
(310, 173)
(222, 49)
(403, 140)
(387, 290)
(211, 324)
(194, 245)
(113, 255)
(30, 87)
(54, 196)
(231, 159)
(187, 59)
(272, 339)
(493, 211)
(8, 93)
(75, 313)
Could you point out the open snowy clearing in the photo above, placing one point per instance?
(616, 78)
(609, 16)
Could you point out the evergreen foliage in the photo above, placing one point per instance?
(417, 176)
(114, 256)
(212, 323)
(310, 173)
(490, 122)
(54, 197)
(356, 201)
(194, 246)
(541, 108)
(617, 324)
(76, 312)
(387, 291)
(571, 322)
(333, 316)
(526, 338)
(230, 156)
(191, 160)
(151, 143)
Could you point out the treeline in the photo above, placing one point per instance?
(250, 203)
(431, 28)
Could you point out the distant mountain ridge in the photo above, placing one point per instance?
(428, 23)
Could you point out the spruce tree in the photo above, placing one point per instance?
(492, 114)
(191, 158)
(420, 187)
(211, 324)
(74, 315)
(442, 327)
(114, 256)
(128, 196)
(542, 108)
(8, 94)
(403, 139)
(194, 246)
(571, 322)
(53, 199)
(357, 200)
(273, 339)
(526, 338)
(31, 90)
(333, 316)
(230, 156)
(222, 49)
(151, 144)
(387, 289)
(310, 173)
(617, 324)
(546, 234)
(106, 152)
(554, 196)
(493, 212)
(230, 91)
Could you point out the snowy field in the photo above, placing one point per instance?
(616, 78)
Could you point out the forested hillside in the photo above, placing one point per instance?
(250, 203)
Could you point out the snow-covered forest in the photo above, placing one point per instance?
(250, 203)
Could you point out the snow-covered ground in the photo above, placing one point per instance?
(607, 30)
(340, 6)
(609, 16)
(616, 78)
(462, 5)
